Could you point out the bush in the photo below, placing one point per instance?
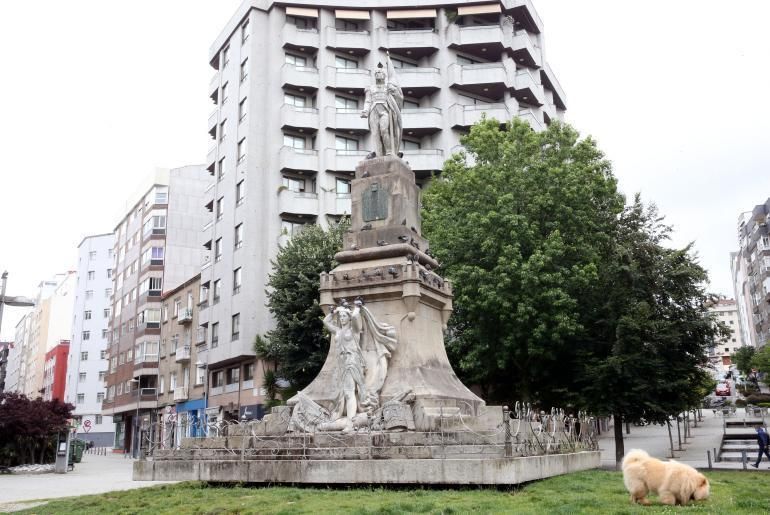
(740, 403)
(764, 404)
(756, 398)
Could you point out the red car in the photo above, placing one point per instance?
(723, 390)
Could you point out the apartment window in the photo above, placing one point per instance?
(341, 102)
(461, 59)
(89, 294)
(102, 375)
(296, 142)
(344, 62)
(343, 186)
(203, 295)
(107, 292)
(86, 315)
(225, 92)
(345, 144)
(245, 31)
(91, 275)
(233, 375)
(120, 388)
(172, 381)
(220, 208)
(110, 253)
(221, 169)
(109, 273)
(214, 334)
(291, 228)
(86, 335)
(92, 255)
(236, 280)
(222, 130)
(242, 110)
(407, 144)
(200, 375)
(238, 236)
(410, 104)
(177, 307)
(81, 398)
(99, 398)
(244, 69)
(218, 250)
(294, 184)
(162, 384)
(225, 56)
(217, 379)
(346, 25)
(82, 377)
(248, 372)
(296, 60)
(105, 332)
(217, 289)
(301, 22)
(241, 150)
(236, 326)
(84, 356)
(400, 63)
(240, 192)
(294, 100)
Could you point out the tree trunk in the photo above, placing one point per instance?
(619, 448)
(628, 427)
(670, 438)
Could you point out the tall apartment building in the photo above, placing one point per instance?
(726, 311)
(49, 323)
(87, 361)
(16, 368)
(751, 274)
(287, 130)
(156, 248)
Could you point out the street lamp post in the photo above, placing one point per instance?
(136, 440)
(204, 418)
(11, 300)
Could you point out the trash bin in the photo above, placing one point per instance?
(78, 447)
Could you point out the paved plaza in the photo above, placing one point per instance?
(94, 475)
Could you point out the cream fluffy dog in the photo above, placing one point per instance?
(674, 482)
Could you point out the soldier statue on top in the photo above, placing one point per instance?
(382, 106)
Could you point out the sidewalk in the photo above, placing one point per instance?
(654, 439)
(94, 475)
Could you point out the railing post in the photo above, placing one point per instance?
(708, 457)
(507, 427)
(743, 458)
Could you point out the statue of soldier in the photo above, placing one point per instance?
(382, 106)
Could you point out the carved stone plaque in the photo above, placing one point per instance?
(374, 203)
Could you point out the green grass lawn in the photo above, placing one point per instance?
(594, 491)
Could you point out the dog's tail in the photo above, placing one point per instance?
(634, 456)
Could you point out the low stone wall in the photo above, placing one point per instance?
(473, 471)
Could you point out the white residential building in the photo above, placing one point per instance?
(87, 362)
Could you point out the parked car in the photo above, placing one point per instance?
(723, 390)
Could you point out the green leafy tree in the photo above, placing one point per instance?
(742, 359)
(761, 361)
(522, 229)
(645, 357)
(297, 344)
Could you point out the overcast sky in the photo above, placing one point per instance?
(95, 94)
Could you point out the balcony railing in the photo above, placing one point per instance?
(185, 316)
(182, 354)
(180, 394)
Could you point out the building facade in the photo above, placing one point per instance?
(156, 248)
(726, 311)
(49, 323)
(5, 349)
(303, 69)
(55, 371)
(182, 367)
(87, 361)
(750, 268)
(16, 368)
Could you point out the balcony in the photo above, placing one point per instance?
(418, 82)
(212, 125)
(342, 205)
(180, 394)
(346, 120)
(300, 39)
(211, 158)
(527, 88)
(486, 41)
(182, 354)
(214, 86)
(425, 162)
(185, 316)
(525, 50)
(414, 44)
(548, 78)
(351, 42)
(297, 203)
(524, 13)
(421, 121)
(145, 365)
(532, 117)
(485, 79)
(303, 119)
(463, 116)
(353, 80)
(297, 159)
(302, 78)
(343, 160)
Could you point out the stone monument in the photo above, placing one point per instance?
(386, 406)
